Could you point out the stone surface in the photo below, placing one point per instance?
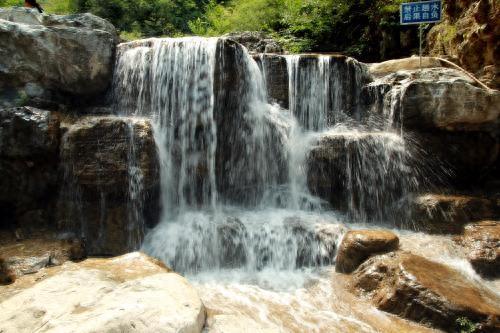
(29, 153)
(393, 66)
(359, 245)
(425, 291)
(482, 245)
(256, 42)
(110, 186)
(469, 36)
(448, 214)
(21, 257)
(437, 99)
(131, 293)
(52, 58)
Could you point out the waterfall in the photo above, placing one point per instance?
(237, 184)
(172, 81)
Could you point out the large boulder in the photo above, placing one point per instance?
(427, 292)
(437, 99)
(110, 183)
(29, 153)
(482, 245)
(454, 120)
(448, 214)
(53, 58)
(132, 293)
(359, 245)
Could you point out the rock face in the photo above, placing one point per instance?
(469, 35)
(29, 144)
(50, 57)
(111, 175)
(448, 214)
(126, 294)
(424, 291)
(256, 42)
(359, 245)
(482, 244)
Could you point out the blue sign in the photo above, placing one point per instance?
(421, 12)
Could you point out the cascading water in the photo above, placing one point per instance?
(243, 181)
(177, 82)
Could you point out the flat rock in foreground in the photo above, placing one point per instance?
(132, 293)
(427, 292)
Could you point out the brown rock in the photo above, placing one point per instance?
(359, 245)
(425, 291)
(482, 244)
(448, 214)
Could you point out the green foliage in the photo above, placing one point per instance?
(368, 29)
(465, 325)
(353, 26)
(50, 6)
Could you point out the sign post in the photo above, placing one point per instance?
(420, 13)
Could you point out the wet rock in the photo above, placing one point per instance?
(28, 256)
(425, 291)
(257, 42)
(448, 214)
(359, 245)
(438, 99)
(346, 168)
(131, 293)
(239, 177)
(482, 245)
(232, 236)
(275, 72)
(55, 56)
(110, 186)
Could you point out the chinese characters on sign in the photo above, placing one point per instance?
(421, 12)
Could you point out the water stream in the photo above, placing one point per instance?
(238, 216)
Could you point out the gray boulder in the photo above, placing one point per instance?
(51, 57)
